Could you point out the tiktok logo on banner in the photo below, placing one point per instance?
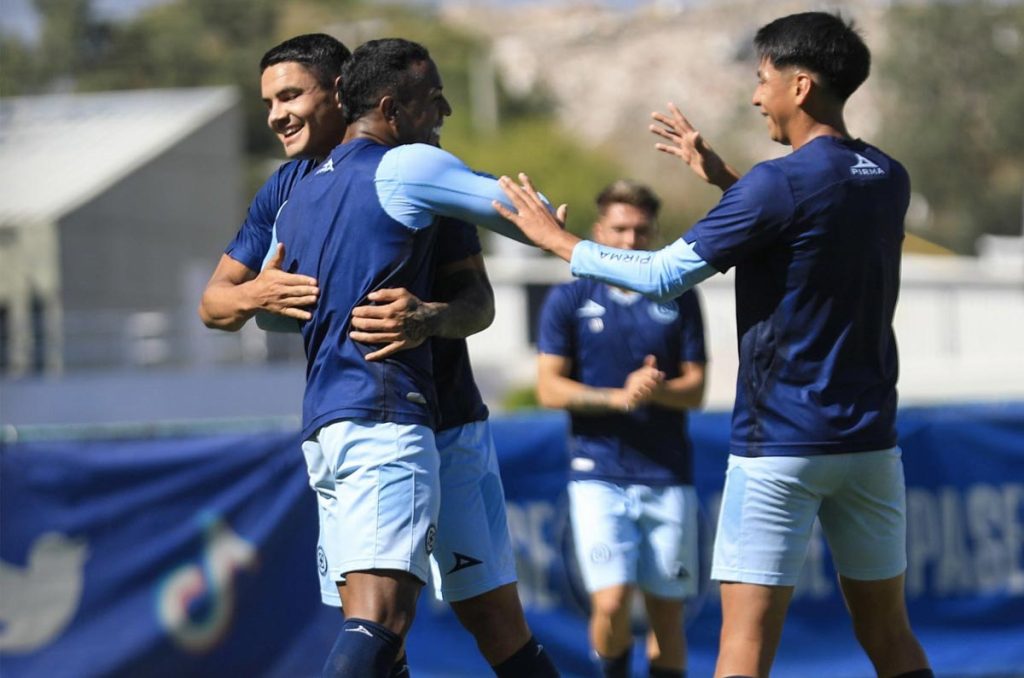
(196, 602)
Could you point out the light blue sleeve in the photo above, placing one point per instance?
(417, 182)
(661, 275)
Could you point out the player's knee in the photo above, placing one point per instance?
(611, 607)
(495, 613)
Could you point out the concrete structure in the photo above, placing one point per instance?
(112, 201)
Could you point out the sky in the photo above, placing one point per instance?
(19, 17)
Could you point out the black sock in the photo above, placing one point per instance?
(529, 661)
(920, 673)
(659, 672)
(364, 649)
(400, 669)
(616, 667)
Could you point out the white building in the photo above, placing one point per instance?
(110, 203)
(959, 325)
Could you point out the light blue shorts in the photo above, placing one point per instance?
(378, 497)
(636, 534)
(769, 505)
(473, 553)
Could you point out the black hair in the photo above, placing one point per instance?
(321, 54)
(379, 68)
(629, 193)
(823, 43)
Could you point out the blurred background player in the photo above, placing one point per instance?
(627, 369)
(816, 240)
(476, 573)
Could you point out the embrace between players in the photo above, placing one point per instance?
(376, 264)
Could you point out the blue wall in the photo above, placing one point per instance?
(194, 555)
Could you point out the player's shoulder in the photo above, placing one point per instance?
(292, 170)
(768, 176)
(416, 154)
(565, 294)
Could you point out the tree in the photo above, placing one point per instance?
(954, 96)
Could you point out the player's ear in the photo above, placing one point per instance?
(803, 85)
(388, 107)
(337, 91)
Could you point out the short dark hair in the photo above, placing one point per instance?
(629, 193)
(379, 68)
(823, 43)
(320, 53)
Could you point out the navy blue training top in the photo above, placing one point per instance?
(458, 399)
(334, 229)
(253, 239)
(606, 333)
(816, 240)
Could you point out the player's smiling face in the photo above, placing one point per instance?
(624, 227)
(422, 114)
(775, 97)
(305, 115)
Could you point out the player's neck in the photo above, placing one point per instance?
(807, 128)
(370, 128)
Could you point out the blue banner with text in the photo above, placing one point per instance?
(195, 555)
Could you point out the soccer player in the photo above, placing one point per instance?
(815, 238)
(362, 221)
(299, 82)
(628, 368)
(477, 570)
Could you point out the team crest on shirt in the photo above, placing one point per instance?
(321, 560)
(431, 535)
(663, 313)
(601, 553)
(596, 325)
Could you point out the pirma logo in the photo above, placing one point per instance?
(865, 167)
(196, 601)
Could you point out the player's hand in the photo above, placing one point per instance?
(533, 218)
(396, 318)
(642, 383)
(283, 293)
(687, 144)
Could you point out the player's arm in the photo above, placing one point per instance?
(685, 392)
(557, 390)
(235, 293)
(752, 214)
(417, 182)
(687, 144)
(464, 291)
(399, 320)
(661, 275)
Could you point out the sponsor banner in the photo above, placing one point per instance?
(196, 555)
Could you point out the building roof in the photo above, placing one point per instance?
(59, 151)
